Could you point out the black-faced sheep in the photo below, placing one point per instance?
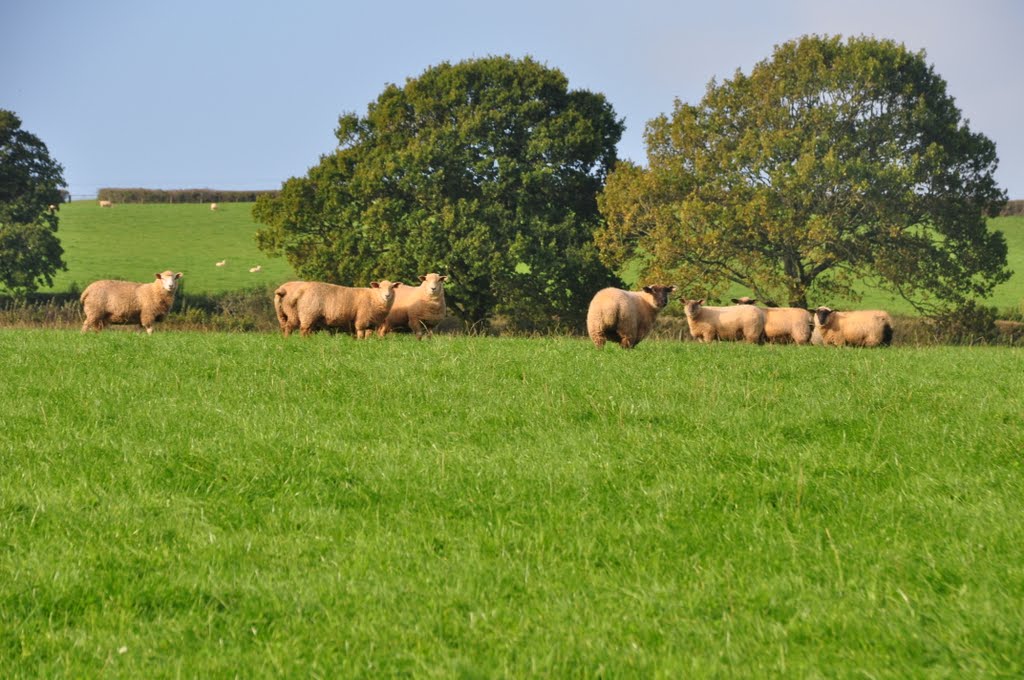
(862, 328)
(419, 309)
(625, 316)
(744, 322)
(310, 305)
(127, 302)
(783, 324)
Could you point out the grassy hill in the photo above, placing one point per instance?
(133, 242)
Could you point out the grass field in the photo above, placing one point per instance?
(241, 505)
(133, 242)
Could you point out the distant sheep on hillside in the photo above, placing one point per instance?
(106, 204)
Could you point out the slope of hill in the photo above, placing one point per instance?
(133, 242)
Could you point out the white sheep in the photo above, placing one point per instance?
(213, 206)
(256, 269)
(126, 302)
(419, 309)
(744, 322)
(106, 204)
(862, 328)
(308, 305)
(783, 324)
(221, 263)
(625, 316)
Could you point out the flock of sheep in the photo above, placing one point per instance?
(625, 317)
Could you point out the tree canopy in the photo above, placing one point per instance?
(486, 170)
(30, 182)
(832, 165)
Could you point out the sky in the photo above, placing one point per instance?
(245, 94)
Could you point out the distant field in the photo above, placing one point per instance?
(133, 242)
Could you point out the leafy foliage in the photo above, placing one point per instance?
(833, 163)
(30, 182)
(486, 170)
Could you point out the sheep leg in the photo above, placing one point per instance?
(626, 342)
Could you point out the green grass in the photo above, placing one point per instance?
(214, 505)
(133, 242)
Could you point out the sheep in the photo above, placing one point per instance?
(419, 309)
(255, 270)
(863, 328)
(221, 263)
(308, 305)
(783, 324)
(213, 206)
(724, 323)
(625, 316)
(126, 302)
(106, 204)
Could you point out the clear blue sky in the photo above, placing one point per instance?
(243, 95)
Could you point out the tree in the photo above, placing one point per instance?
(834, 163)
(30, 182)
(486, 170)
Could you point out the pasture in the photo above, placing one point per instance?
(130, 241)
(133, 241)
(213, 505)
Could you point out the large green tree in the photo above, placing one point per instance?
(30, 183)
(486, 170)
(833, 165)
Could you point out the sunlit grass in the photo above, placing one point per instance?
(212, 504)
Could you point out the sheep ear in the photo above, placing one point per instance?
(700, 301)
(374, 284)
(671, 289)
(648, 289)
(396, 284)
(178, 276)
(443, 278)
(422, 278)
(158, 276)
(735, 301)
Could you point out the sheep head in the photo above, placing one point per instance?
(433, 283)
(386, 289)
(169, 280)
(821, 315)
(659, 293)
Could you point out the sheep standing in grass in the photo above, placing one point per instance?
(625, 316)
(744, 322)
(783, 324)
(419, 309)
(106, 204)
(124, 302)
(213, 207)
(308, 305)
(862, 328)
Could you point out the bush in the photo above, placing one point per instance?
(970, 324)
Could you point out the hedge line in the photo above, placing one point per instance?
(1012, 208)
(179, 195)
